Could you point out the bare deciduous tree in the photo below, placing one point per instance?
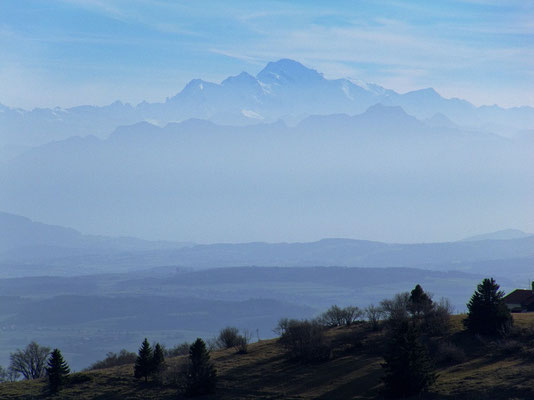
(31, 361)
(374, 315)
(305, 340)
(336, 316)
(396, 309)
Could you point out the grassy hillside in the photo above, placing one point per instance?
(89, 316)
(490, 369)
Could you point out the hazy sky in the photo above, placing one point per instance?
(74, 52)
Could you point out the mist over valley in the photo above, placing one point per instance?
(266, 200)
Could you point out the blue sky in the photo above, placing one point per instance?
(73, 52)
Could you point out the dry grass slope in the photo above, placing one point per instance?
(491, 370)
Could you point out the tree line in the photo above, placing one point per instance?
(407, 321)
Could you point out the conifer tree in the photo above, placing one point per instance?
(408, 370)
(143, 363)
(56, 371)
(420, 303)
(158, 360)
(487, 312)
(201, 375)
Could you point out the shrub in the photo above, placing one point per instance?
(283, 325)
(242, 342)
(345, 343)
(181, 349)
(114, 359)
(305, 341)
(211, 344)
(174, 374)
(437, 321)
(228, 337)
(449, 353)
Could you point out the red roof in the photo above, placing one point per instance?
(520, 296)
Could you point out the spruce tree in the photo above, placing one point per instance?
(487, 312)
(408, 370)
(56, 371)
(201, 375)
(143, 362)
(158, 360)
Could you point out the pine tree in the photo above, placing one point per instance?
(158, 360)
(143, 362)
(201, 375)
(57, 370)
(487, 312)
(408, 370)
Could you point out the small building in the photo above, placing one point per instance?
(520, 300)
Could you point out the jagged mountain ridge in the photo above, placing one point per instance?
(284, 89)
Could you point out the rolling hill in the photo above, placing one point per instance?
(23, 238)
(487, 370)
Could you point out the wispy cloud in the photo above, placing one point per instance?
(459, 43)
(239, 56)
(152, 14)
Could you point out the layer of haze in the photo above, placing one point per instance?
(455, 171)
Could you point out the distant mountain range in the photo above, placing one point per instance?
(22, 238)
(505, 234)
(330, 175)
(283, 155)
(40, 249)
(284, 90)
